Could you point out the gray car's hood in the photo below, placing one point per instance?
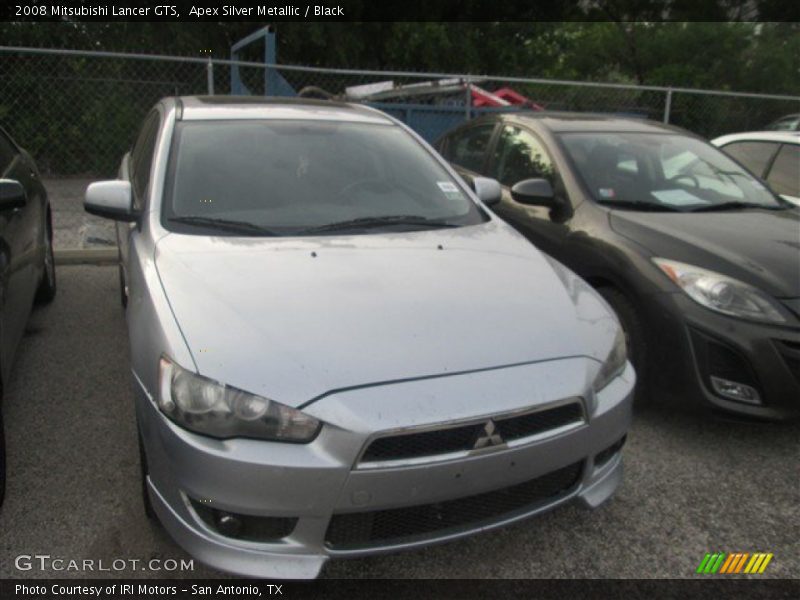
(292, 319)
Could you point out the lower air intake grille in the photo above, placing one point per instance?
(717, 359)
(603, 456)
(378, 528)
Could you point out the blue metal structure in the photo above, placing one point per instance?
(274, 83)
(428, 120)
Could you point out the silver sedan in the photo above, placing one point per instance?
(337, 349)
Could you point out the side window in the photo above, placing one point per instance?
(784, 176)
(468, 148)
(7, 153)
(519, 155)
(755, 156)
(142, 158)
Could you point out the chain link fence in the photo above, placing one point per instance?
(78, 112)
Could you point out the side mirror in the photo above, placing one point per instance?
(534, 191)
(12, 194)
(110, 200)
(488, 190)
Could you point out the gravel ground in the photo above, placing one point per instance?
(73, 228)
(692, 485)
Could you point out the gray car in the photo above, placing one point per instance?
(338, 350)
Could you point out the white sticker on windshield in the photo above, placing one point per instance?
(678, 197)
(450, 190)
(606, 192)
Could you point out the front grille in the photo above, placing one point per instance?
(426, 443)
(403, 525)
(514, 428)
(461, 438)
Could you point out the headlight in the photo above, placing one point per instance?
(720, 293)
(205, 406)
(614, 363)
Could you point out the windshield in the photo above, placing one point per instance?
(662, 172)
(297, 177)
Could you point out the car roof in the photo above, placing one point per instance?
(206, 108)
(784, 137)
(560, 122)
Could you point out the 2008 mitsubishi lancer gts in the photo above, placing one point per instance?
(337, 349)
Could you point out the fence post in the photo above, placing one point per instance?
(667, 105)
(468, 99)
(270, 58)
(210, 76)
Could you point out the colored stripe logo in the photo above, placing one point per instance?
(734, 562)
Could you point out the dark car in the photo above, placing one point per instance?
(700, 260)
(27, 270)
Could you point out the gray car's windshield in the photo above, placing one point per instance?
(272, 177)
(642, 171)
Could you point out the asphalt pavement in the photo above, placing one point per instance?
(692, 484)
(74, 228)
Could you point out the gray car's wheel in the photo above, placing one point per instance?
(635, 338)
(148, 506)
(47, 287)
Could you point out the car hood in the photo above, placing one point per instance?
(759, 247)
(296, 318)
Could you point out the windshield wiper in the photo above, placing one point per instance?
(376, 222)
(227, 224)
(737, 205)
(638, 205)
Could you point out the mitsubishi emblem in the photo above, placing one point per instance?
(489, 437)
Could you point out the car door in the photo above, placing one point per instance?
(20, 229)
(518, 154)
(783, 175)
(140, 163)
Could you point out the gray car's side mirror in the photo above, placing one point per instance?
(12, 194)
(110, 200)
(534, 191)
(488, 190)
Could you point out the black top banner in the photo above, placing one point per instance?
(399, 10)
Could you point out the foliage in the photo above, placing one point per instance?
(78, 115)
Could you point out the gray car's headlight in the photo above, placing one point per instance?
(205, 406)
(615, 362)
(721, 293)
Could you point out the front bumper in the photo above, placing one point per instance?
(694, 343)
(314, 482)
